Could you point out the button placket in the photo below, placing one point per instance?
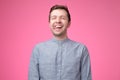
(59, 60)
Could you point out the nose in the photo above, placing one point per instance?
(58, 20)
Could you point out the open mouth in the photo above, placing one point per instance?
(58, 27)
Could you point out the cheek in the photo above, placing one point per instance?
(50, 25)
(66, 23)
(51, 22)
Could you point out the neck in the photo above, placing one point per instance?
(60, 37)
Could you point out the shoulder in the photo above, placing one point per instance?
(82, 45)
(41, 44)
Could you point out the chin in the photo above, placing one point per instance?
(57, 34)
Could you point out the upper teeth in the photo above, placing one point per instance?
(58, 26)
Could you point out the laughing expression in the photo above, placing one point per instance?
(59, 22)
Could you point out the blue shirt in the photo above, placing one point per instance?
(60, 60)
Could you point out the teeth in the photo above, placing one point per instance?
(58, 26)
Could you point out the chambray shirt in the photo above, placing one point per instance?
(60, 60)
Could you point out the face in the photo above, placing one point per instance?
(59, 22)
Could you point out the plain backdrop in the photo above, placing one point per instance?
(24, 23)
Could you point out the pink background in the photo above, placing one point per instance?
(24, 23)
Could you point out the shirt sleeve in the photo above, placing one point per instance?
(85, 65)
(33, 73)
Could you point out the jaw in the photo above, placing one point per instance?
(59, 33)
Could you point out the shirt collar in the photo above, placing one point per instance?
(60, 41)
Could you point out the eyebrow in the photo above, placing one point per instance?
(56, 16)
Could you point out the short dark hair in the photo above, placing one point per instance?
(60, 7)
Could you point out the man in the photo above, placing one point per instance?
(60, 58)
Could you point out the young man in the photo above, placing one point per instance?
(60, 58)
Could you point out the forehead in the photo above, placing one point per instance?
(59, 12)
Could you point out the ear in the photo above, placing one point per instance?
(69, 24)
